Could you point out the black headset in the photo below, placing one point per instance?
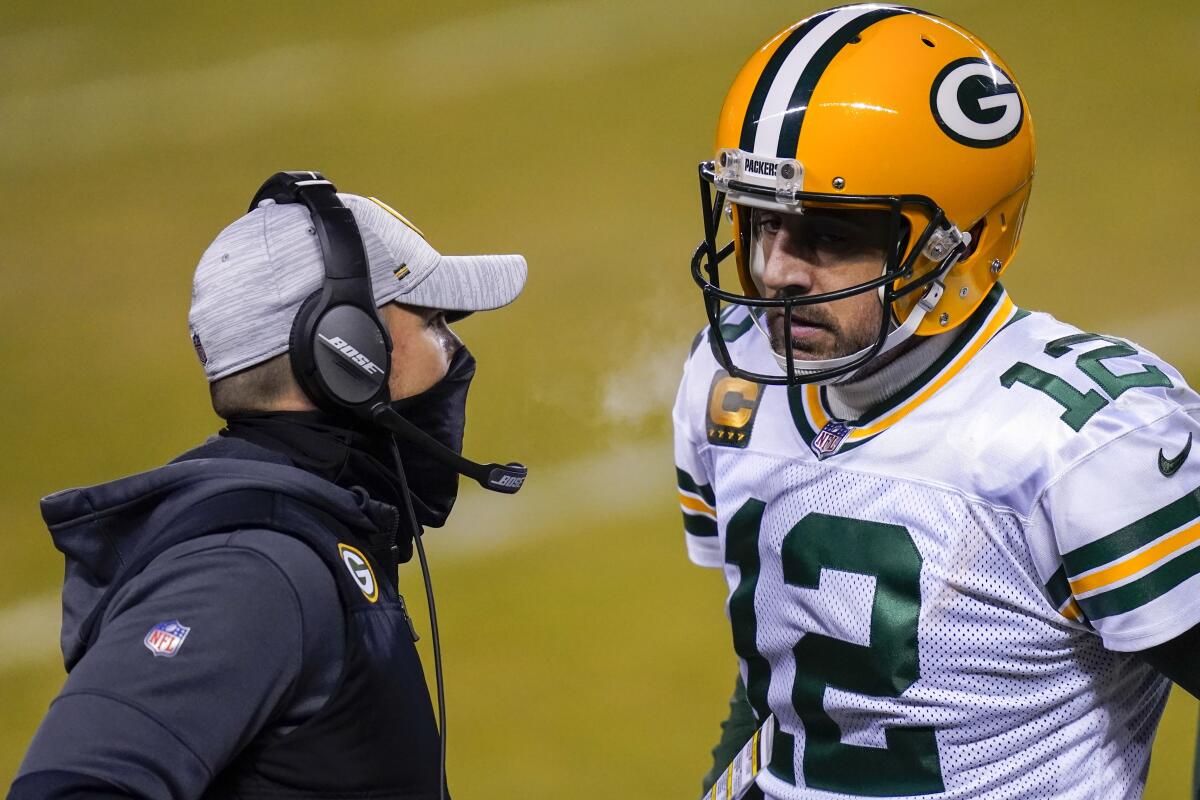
(340, 349)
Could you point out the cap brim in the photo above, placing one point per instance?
(469, 283)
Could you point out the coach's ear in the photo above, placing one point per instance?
(1178, 659)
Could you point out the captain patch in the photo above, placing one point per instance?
(732, 405)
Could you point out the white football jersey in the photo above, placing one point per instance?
(942, 597)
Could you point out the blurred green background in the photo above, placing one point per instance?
(585, 656)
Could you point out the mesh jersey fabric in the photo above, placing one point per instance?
(946, 604)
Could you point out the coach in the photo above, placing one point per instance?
(231, 621)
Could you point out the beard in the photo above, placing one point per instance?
(817, 333)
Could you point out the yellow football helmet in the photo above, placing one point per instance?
(878, 107)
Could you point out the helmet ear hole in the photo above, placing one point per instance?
(976, 234)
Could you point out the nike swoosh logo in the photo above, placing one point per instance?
(1169, 466)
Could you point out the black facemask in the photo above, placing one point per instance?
(441, 412)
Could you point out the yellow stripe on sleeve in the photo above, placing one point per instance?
(696, 504)
(1071, 611)
(1137, 562)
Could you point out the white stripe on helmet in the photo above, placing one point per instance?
(775, 107)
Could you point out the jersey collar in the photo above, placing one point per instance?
(810, 409)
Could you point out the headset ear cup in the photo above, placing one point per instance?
(351, 359)
(351, 364)
(301, 350)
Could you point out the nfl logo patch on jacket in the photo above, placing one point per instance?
(165, 638)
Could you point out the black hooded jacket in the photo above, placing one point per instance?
(231, 628)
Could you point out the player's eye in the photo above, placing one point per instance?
(766, 222)
(830, 237)
(844, 236)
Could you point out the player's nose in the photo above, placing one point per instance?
(787, 266)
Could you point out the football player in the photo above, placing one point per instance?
(960, 538)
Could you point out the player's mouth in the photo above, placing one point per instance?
(806, 330)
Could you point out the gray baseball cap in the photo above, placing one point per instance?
(253, 277)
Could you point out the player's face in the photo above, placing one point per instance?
(422, 346)
(821, 250)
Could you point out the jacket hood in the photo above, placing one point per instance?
(99, 528)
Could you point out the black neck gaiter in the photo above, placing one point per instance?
(361, 455)
(441, 412)
(319, 443)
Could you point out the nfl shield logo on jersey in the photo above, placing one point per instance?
(165, 638)
(829, 439)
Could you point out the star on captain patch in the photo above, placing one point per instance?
(165, 638)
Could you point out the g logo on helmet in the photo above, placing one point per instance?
(976, 104)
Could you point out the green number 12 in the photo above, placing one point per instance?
(1078, 406)
(888, 666)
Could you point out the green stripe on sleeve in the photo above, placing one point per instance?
(699, 525)
(1121, 543)
(688, 484)
(1057, 588)
(1144, 589)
